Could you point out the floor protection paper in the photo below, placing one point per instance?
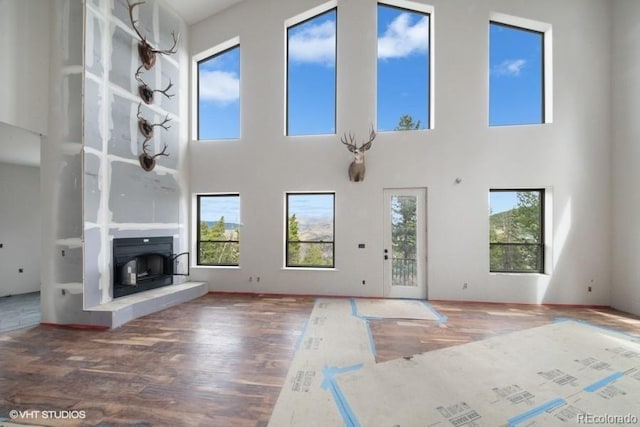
(563, 374)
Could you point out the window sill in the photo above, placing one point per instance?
(506, 273)
(308, 269)
(217, 267)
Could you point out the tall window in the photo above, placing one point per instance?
(310, 230)
(516, 231)
(311, 76)
(516, 75)
(403, 69)
(218, 237)
(219, 95)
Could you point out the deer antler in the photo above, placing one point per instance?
(132, 6)
(145, 150)
(145, 50)
(146, 93)
(367, 145)
(146, 127)
(351, 145)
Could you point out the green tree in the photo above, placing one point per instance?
(406, 123)
(403, 228)
(217, 247)
(314, 255)
(293, 252)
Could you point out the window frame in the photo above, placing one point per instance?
(542, 232)
(333, 232)
(198, 221)
(195, 86)
(294, 22)
(414, 7)
(546, 61)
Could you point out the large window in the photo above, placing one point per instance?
(310, 230)
(403, 69)
(219, 95)
(516, 75)
(516, 231)
(311, 76)
(218, 237)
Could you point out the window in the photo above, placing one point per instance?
(516, 75)
(403, 69)
(311, 76)
(310, 230)
(218, 238)
(219, 95)
(516, 230)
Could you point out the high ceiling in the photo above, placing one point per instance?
(196, 10)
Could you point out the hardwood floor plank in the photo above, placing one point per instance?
(219, 360)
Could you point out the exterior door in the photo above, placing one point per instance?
(405, 234)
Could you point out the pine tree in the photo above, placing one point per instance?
(293, 235)
(406, 123)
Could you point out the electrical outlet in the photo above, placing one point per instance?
(1, 245)
(258, 279)
(364, 282)
(21, 270)
(589, 288)
(465, 285)
(250, 279)
(63, 252)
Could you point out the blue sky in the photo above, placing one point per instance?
(212, 208)
(515, 76)
(501, 201)
(317, 206)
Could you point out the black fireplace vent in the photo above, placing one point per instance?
(144, 263)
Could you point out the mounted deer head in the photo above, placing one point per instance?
(357, 168)
(147, 160)
(146, 52)
(146, 127)
(146, 93)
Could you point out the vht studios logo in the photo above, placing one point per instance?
(32, 414)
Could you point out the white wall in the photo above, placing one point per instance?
(24, 74)
(571, 156)
(626, 152)
(19, 229)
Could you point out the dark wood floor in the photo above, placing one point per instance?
(219, 360)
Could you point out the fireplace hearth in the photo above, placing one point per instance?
(143, 263)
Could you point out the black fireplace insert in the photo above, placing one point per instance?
(144, 263)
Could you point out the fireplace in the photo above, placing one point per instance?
(143, 263)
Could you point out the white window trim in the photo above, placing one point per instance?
(546, 30)
(195, 113)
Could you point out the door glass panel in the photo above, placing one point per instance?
(404, 269)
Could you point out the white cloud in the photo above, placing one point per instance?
(401, 38)
(315, 44)
(219, 86)
(510, 67)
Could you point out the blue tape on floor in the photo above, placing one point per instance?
(354, 313)
(329, 383)
(603, 382)
(440, 318)
(593, 325)
(518, 419)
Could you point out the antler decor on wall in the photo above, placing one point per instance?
(146, 52)
(145, 91)
(147, 56)
(357, 168)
